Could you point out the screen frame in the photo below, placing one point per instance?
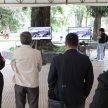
(42, 27)
(80, 27)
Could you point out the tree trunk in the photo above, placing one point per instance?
(40, 17)
(97, 25)
(86, 21)
(78, 20)
(81, 18)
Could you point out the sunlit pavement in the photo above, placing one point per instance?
(8, 93)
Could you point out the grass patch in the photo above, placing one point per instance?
(60, 49)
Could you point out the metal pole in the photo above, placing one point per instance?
(96, 1)
(82, 1)
(43, 63)
(50, 1)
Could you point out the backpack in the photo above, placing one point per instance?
(106, 38)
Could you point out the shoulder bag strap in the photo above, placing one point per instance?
(63, 79)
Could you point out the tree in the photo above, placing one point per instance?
(97, 12)
(62, 16)
(59, 18)
(55, 20)
(79, 12)
(5, 18)
(11, 18)
(40, 17)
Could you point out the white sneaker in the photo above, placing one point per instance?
(100, 60)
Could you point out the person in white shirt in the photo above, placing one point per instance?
(26, 63)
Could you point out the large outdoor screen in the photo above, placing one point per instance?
(82, 32)
(39, 33)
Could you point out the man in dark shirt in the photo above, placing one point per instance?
(101, 45)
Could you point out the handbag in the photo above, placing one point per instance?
(52, 103)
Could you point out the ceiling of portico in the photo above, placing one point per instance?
(38, 3)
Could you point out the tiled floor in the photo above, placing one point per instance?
(8, 93)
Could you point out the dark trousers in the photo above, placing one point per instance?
(1, 87)
(82, 106)
(20, 96)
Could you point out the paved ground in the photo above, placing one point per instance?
(8, 93)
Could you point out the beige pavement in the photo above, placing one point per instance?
(8, 93)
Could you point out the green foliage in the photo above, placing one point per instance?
(12, 18)
(62, 16)
(92, 23)
(45, 51)
(25, 9)
(13, 48)
(4, 16)
(80, 12)
(56, 10)
(49, 43)
(92, 10)
(58, 18)
(90, 41)
(60, 49)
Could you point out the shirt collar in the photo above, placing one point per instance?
(71, 50)
(26, 46)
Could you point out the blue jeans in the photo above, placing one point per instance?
(100, 51)
(104, 49)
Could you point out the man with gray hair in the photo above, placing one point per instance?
(26, 63)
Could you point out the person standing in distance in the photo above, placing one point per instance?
(101, 45)
(26, 63)
(78, 75)
(91, 35)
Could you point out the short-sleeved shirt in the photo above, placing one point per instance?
(102, 40)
